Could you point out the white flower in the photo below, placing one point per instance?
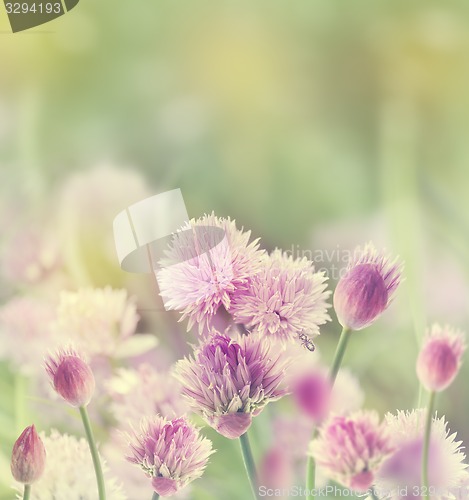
(96, 320)
(69, 472)
(446, 469)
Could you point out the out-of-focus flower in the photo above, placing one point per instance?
(312, 394)
(440, 357)
(275, 470)
(88, 201)
(144, 392)
(71, 377)
(286, 299)
(30, 256)
(25, 326)
(69, 472)
(28, 458)
(205, 266)
(446, 468)
(228, 381)
(172, 453)
(96, 320)
(367, 288)
(351, 448)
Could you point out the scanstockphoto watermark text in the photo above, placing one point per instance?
(331, 491)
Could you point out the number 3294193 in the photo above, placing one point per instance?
(34, 8)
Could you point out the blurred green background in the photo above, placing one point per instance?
(317, 124)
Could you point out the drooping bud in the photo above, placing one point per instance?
(439, 359)
(28, 458)
(71, 377)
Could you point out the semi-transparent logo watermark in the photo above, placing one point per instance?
(28, 14)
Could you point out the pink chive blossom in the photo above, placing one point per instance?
(172, 453)
(440, 357)
(71, 377)
(350, 449)
(228, 381)
(402, 469)
(28, 459)
(286, 299)
(206, 264)
(312, 393)
(367, 288)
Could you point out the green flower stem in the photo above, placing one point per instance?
(249, 462)
(155, 496)
(426, 442)
(27, 492)
(339, 353)
(373, 495)
(338, 357)
(94, 453)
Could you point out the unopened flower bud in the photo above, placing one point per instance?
(71, 377)
(366, 289)
(28, 458)
(440, 358)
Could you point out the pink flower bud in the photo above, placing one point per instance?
(28, 458)
(312, 393)
(366, 289)
(439, 359)
(71, 377)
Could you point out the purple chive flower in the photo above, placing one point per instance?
(403, 468)
(440, 357)
(228, 381)
(350, 449)
(170, 452)
(286, 299)
(71, 377)
(28, 459)
(203, 270)
(367, 288)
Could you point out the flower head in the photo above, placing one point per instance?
(145, 392)
(367, 288)
(439, 359)
(26, 321)
(28, 458)
(286, 299)
(351, 448)
(97, 320)
(230, 380)
(71, 377)
(446, 468)
(69, 471)
(204, 267)
(170, 452)
(312, 394)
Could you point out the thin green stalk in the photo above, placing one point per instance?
(339, 353)
(155, 496)
(27, 492)
(338, 357)
(426, 442)
(373, 495)
(94, 453)
(249, 462)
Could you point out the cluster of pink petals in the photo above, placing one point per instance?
(350, 449)
(367, 288)
(440, 358)
(286, 299)
(170, 452)
(228, 381)
(206, 264)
